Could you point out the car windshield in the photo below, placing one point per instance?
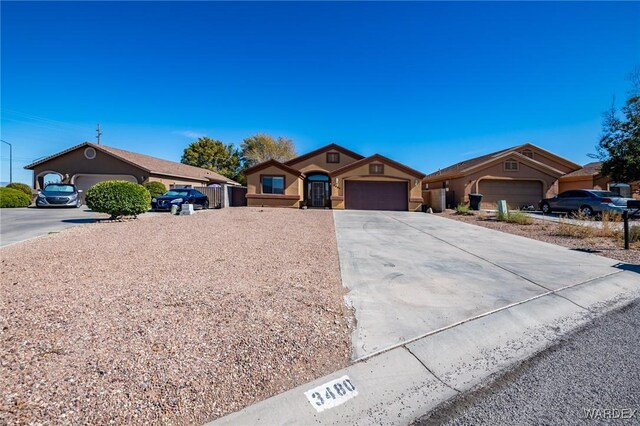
(605, 194)
(176, 193)
(60, 188)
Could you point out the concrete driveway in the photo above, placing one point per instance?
(410, 274)
(22, 224)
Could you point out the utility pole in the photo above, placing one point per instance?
(10, 161)
(98, 133)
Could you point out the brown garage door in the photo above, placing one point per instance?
(518, 193)
(366, 195)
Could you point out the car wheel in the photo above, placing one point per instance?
(546, 208)
(586, 211)
(206, 205)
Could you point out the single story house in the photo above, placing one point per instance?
(86, 164)
(589, 177)
(335, 177)
(522, 175)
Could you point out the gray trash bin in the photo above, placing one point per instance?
(474, 201)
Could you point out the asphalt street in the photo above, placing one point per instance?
(591, 377)
(23, 224)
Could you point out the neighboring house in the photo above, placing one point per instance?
(522, 175)
(87, 164)
(334, 177)
(589, 177)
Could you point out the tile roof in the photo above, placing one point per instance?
(467, 164)
(150, 164)
(590, 169)
(331, 146)
(275, 163)
(382, 159)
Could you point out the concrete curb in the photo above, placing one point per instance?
(400, 384)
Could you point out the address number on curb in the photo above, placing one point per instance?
(331, 394)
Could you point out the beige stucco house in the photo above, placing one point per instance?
(522, 175)
(590, 177)
(87, 164)
(335, 177)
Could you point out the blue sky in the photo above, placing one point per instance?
(428, 84)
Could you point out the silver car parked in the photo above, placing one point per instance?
(59, 195)
(585, 201)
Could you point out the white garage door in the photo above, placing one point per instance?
(84, 182)
(518, 193)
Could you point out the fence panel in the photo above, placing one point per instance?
(215, 194)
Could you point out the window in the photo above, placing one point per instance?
(511, 166)
(376, 169)
(333, 157)
(527, 153)
(572, 194)
(273, 184)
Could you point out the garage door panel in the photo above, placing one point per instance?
(372, 195)
(517, 193)
(84, 182)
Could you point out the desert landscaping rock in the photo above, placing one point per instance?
(173, 320)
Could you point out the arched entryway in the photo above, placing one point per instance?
(317, 190)
(46, 177)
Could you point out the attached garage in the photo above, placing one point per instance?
(376, 195)
(86, 181)
(518, 193)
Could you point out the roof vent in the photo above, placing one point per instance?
(89, 153)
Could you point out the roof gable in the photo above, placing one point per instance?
(555, 157)
(330, 147)
(519, 157)
(147, 163)
(274, 163)
(382, 159)
(472, 163)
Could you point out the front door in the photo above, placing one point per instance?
(317, 194)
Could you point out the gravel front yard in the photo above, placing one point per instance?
(548, 231)
(174, 320)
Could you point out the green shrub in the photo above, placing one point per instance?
(519, 217)
(156, 189)
(463, 209)
(10, 197)
(22, 187)
(118, 198)
(515, 216)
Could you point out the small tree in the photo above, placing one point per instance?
(262, 147)
(118, 198)
(213, 155)
(619, 146)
